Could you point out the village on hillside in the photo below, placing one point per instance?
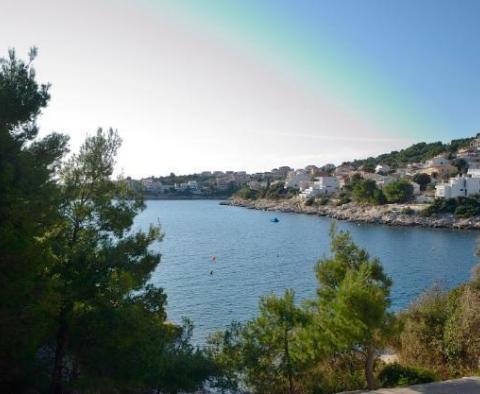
(452, 173)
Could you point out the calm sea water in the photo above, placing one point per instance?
(255, 257)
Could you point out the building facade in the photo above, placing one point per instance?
(458, 187)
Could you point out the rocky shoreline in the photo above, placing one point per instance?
(391, 214)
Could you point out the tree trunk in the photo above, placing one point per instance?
(291, 388)
(369, 363)
(61, 343)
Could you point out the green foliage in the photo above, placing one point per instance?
(21, 98)
(463, 207)
(366, 191)
(461, 164)
(460, 143)
(247, 193)
(439, 331)
(369, 165)
(323, 200)
(331, 343)
(422, 179)
(421, 340)
(274, 191)
(225, 349)
(395, 374)
(263, 351)
(101, 271)
(317, 201)
(344, 198)
(76, 309)
(270, 339)
(353, 301)
(277, 191)
(28, 198)
(414, 154)
(346, 257)
(328, 345)
(462, 347)
(398, 191)
(352, 181)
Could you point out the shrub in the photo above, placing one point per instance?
(423, 327)
(309, 202)
(440, 331)
(247, 194)
(323, 200)
(427, 212)
(398, 375)
(344, 199)
(422, 179)
(398, 191)
(366, 191)
(463, 207)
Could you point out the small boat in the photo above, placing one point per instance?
(275, 220)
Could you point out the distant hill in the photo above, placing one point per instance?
(414, 154)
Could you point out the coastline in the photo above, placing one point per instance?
(148, 197)
(390, 214)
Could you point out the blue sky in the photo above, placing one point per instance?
(428, 48)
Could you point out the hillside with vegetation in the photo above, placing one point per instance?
(416, 153)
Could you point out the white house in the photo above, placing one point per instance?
(458, 187)
(321, 186)
(298, 179)
(327, 184)
(473, 172)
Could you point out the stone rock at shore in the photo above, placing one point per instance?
(389, 214)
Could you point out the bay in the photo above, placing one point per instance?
(254, 257)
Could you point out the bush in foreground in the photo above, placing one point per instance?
(396, 374)
(441, 329)
(328, 345)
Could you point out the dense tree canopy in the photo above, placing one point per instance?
(76, 308)
(422, 179)
(28, 201)
(290, 348)
(353, 301)
(398, 191)
(367, 191)
(416, 153)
